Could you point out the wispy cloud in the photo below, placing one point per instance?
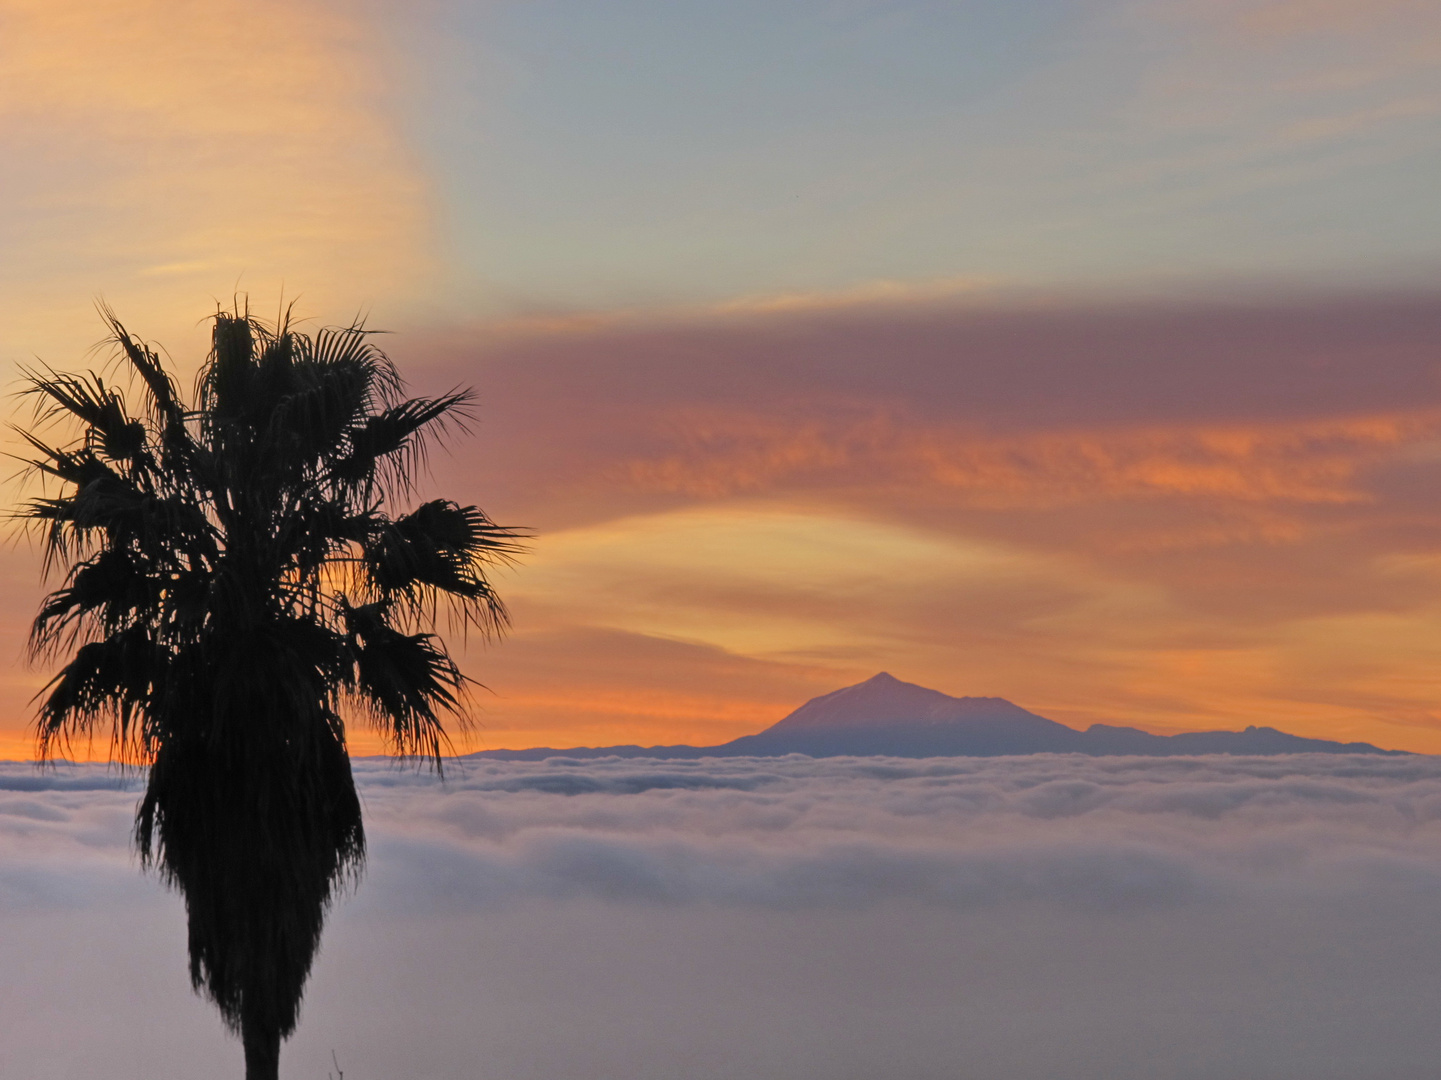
(1307, 462)
(166, 152)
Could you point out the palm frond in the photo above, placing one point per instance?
(389, 448)
(403, 683)
(107, 681)
(164, 395)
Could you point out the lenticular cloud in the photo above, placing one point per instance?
(1209, 917)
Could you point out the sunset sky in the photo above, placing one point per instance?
(1086, 354)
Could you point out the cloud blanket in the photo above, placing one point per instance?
(1034, 917)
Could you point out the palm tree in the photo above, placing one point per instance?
(237, 585)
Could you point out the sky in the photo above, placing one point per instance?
(1082, 354)
(784, 919)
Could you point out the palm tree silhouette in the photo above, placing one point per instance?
(236, 586)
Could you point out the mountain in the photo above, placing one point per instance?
(886, 716)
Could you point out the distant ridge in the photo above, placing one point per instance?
(885, 716)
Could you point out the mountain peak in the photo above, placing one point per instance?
(884, 701)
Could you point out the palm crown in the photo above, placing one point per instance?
(235, 586)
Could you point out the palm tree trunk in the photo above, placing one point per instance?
(262, 1051)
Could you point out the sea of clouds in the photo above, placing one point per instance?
(1052, 917)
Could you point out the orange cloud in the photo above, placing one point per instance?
(558, 684)
(163, 151)
(1172, 517)
(726, 454)
(1072, 637)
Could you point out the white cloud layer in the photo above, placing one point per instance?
(788, 918)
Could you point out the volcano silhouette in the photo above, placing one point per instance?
(885, 716)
